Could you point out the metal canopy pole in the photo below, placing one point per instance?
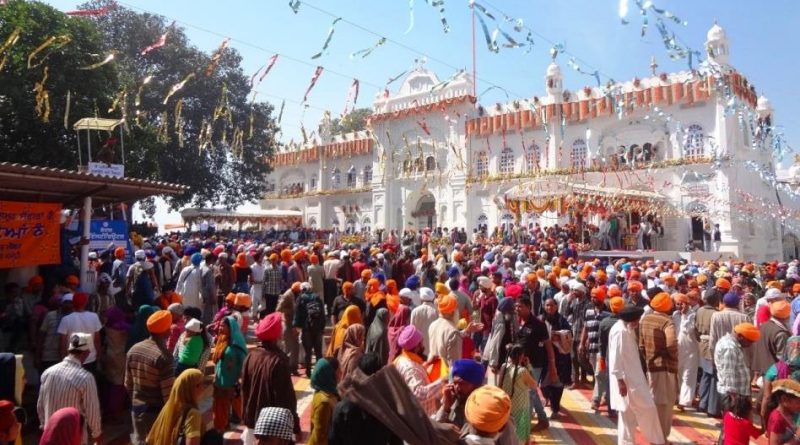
(86, 219)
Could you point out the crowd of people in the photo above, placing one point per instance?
(452, 343)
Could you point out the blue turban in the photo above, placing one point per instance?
(381, 277)
(626, 267)
(412, 282)
(197, 258)
(469, 370)
(506, 305)
(189, 251)
(453, 272)
(731, 299)
(489, 257)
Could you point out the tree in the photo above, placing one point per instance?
(206, 135)
(356, 120)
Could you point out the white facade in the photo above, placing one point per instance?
(432, 157)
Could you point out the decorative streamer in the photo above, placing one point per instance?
(117, 100)
(490, 42)
(163, 128)
(177, 87)
(295, 5)
(441, 85)
(138, 100)
(216, 57)
(162, 40)
(367, 51)
(42, 97)
(179, 124)
(623, 11)
(223, 108)
(574, 65)
(66, 110)
(93, 66)
(280, 113)
(93, 12)
(266, 68)
(55, 41)
(327, 39)
(12, 40)
(314, 78)
(440, 5)
(411, 16)
(251, 124)
(352, 97)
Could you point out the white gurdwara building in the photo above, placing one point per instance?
(687, 149)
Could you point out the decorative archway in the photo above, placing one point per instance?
(424, 212)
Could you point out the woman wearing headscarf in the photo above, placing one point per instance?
(786, 368)
(378, 335)
(228, 356)
(64, 427)
(180, 416)
(392, 296)
(113, 361)
(350, 316)
(397, 322)
(139, 330)
(560, 333)
(376, 300)
(323, 380)
(242, 274)
(352, 348)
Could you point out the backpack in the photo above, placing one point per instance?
(315, 313)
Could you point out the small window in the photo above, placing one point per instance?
(578, 154)
(336, 179)
(430, 163)
(367, 175)
(351, 177)
(507, 161)
(532, 158)
(312, 183)
(482, 164)
(694, 144)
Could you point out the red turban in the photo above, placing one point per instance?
(269, 328)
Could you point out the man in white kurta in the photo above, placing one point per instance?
(688, 349)
(629, 389)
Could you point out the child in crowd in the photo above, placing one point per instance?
(516, 380)
(783, 406)
(737, 426)
(192, 347)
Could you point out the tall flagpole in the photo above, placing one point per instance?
(474, 57)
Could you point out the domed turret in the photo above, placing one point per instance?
(553, 81)
(763, 107)
(717, 45)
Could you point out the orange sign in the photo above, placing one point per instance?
(30, 234)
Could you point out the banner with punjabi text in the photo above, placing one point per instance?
(30, 234)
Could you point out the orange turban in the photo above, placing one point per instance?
(722, 283)
(159, 322)
(702, 279)
(531, 278)
(273, 257)
(72, 280)
(780, 309)
(670, 280)
(243, 300)
(488, 409)
(565, 273)
(366, 274)
(241, 261)
(286, 255)
(347, 287)
(119, 253)
(299, 256)
(796, 287)
(442, 289)
(661, 302)
(614, 291)
(635, 286)
(616, 304)
(230, 298)
(447, 304)
(601, 277)
(458, 256)
(635, 274)
(680, 298)
(540, 273)
(748, 331)
(296, 287)
(775, 285)
(314, 259)
(36, 280)
(599, 293)
(552, 278)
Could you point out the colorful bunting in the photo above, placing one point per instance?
(42, 97)
(314, 78)
(216, 57)
(352, 97)
(266, 69)
(327, 39)
(66, 110)
(162, 40)
(411, 16)
(55, 41)
(295, 5)
(367, 51)
(108, 59)
(93, 12)
(10, 41)
(177, 87)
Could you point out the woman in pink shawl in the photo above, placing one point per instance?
(399, 320)
(463, 285)
(64, 427)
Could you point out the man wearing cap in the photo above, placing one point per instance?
(629, 388)
(424, 315)
(709, 401)
(774, 334)
(67, 384)
(266, 377)
(412, 366)
(149, 375)
(733, 368)
(80, 320)
(658, 344)
(274, 427)
(287, 305)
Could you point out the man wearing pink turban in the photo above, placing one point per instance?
(411, 365)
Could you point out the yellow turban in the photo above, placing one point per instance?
(487, 409)
(661, 302)
(442, 289)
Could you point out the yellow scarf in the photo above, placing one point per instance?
(181, 398)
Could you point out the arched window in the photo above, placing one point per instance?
(312, 222)
(367, 175)
(578, 154)
(312, 183)
(366, 225)
(336, 179)
(507, 161)
(694, 145)
(350, 225)
(482, 164)
(334, 222)
(532, 158)
(418, 165)
(430, 163)
(351, 177)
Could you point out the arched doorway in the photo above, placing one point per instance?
(424, 214)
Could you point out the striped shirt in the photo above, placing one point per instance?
(149, 374)
(67, 384)
(272, 281)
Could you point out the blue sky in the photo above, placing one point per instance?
(760, 32)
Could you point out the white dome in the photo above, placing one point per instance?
(716, 34)
(553, 70)
(763, 104)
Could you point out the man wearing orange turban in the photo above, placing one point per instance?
(287, 304)
(688, 349)
(375, 300)
(732, 365)
(773, 335)
(659, 342)
(444, 337)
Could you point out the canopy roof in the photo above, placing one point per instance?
(20, 182)
(95, 123)
(550, 188)
(192, 215)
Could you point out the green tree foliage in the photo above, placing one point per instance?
(208, 135)
(356, 120)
